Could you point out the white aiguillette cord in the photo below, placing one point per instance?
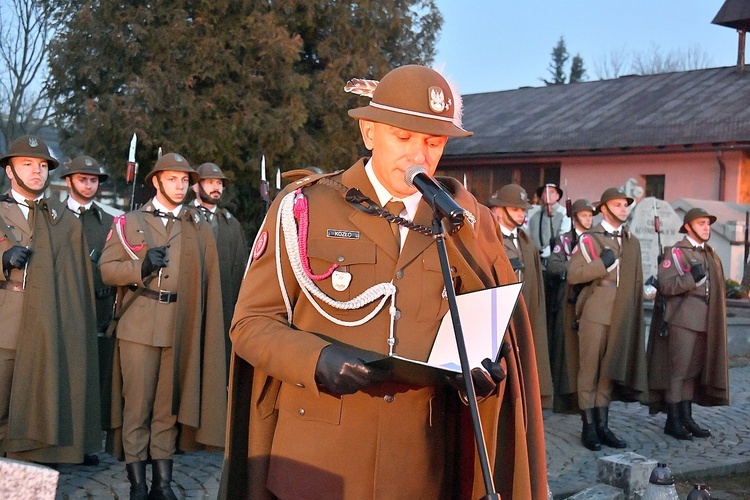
(287, 222)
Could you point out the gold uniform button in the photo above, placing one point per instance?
(340, 258)
(301, 385)
(388, 398)
(301, 411)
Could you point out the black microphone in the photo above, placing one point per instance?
(435, 196)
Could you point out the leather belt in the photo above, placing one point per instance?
(163, 296)
(608, 283)
(12, 286)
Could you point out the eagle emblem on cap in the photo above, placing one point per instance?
(89, 162)
(178, 158)
(522, 195)
(214, 168)
(438, 104)
(33, 142)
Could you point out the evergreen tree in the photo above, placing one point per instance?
(577, 71)
(228, 80)
(556, 68)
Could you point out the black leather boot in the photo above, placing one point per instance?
(674, 426)
(686, 416)
(137, 477)
(588, 434)
(606, 436)
(161, 488)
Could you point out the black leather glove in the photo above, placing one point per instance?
(16, 257)
(155, 258)
(698, 272)
(341, 371)
(485, 382)
(516, 264)
(608, 257)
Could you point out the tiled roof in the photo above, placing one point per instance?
(683, 108)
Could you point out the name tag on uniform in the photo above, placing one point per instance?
(342, 234)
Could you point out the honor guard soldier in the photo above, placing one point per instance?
(609, 359)
(687, 360)
(582, 215)
(509, 204)
(49, 388)
(344, 267)
(230, 240)
(170, 331)
(83, 176)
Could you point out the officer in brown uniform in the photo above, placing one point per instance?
(343, 268)
(688, 361)
(84, 176)
(610, 350)
(170, 338)
(48, 335)
(582, 214)
(230, 240)
(509, 204)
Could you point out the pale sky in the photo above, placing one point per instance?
(490, 45)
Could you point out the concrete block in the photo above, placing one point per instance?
(599, 492)
(23, 480)
(628, 471)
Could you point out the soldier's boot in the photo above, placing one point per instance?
(161, 488)
(588, 435)
(686, 416)
(606, 436)
(137, 477)
(674, 426)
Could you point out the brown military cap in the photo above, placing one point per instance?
(414, 98)
(511, 195)
(211, 171)
(175, 163)
(613, 193)
(695, 213)
(581, 205)
(85, 165)
(30, 146)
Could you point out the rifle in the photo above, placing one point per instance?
(131, 174)
(569, 213)
(660, 305)
(264, 183)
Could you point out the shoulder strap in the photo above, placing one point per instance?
(8, 233)
(146, 230)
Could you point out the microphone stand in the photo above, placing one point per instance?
(439, 235)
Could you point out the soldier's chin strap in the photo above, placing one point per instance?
(621, 221)
(513, 221)
(164, 193)
(79, 194)
(205, 197)
(695, 233)
(35, 192)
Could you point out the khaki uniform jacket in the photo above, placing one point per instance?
(52, 327)
(621, 308)
(193, 325)
(301, 441)
(687, 307)
(533, 294)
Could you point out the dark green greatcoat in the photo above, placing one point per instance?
(54, 410)
(96, 225)
(233, 253)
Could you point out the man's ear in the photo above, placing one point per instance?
(367, 128)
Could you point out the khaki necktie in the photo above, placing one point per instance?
(170, 223)
(395, 208)
(32, 208)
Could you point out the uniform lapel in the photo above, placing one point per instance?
(375, 228)
(14, 217)
(154, 223)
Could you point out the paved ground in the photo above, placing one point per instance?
(571, 467)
